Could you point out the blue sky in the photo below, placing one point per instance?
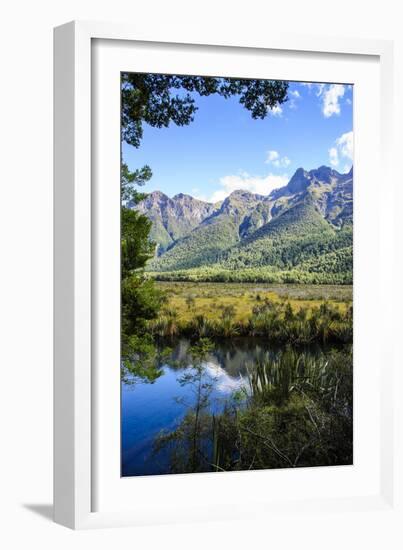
(224, 149)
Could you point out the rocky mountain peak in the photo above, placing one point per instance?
(299, 182)
(156, 197)
(330, 192)
(183, 198)
(240, 201)
(324, 174)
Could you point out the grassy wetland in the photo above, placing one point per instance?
(241, 376)
(294, 314)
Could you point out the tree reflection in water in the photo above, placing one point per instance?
(295, 410)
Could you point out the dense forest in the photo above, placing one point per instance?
(298, 247)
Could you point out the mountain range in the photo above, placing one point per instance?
(300, 232)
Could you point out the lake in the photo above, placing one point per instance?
(150, 408)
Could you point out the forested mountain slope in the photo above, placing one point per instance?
(305, 226)
(173, 218)
(205, 244)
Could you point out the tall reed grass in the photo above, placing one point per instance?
(275, 321)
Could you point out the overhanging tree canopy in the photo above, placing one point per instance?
(159, 99)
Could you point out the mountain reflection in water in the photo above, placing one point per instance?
(148, 409)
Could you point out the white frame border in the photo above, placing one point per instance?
(72, 251)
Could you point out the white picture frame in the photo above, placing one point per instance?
(79, 310)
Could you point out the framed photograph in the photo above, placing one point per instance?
(221, 340)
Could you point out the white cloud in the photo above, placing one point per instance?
(201, 197)
(342, 150)
(331, 100)
(293, 97)
(346, 145)
(198, 195)
(333, 156)
(330, 96)
(263, 185)
(274, 158)
(318, 88)
(276, 110)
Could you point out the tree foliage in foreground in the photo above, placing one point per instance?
(140, 299)
(158, 99)
(130, 180)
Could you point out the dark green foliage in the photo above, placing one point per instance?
(159, 99)
(128, 181)
(300, 413)
(136, 246)
(216, 274)
(141, 359)
(297, 412)
(141, 301)
(337, 261)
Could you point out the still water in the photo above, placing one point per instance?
(150, 408)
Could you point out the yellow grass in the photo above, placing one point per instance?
(211, 298)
